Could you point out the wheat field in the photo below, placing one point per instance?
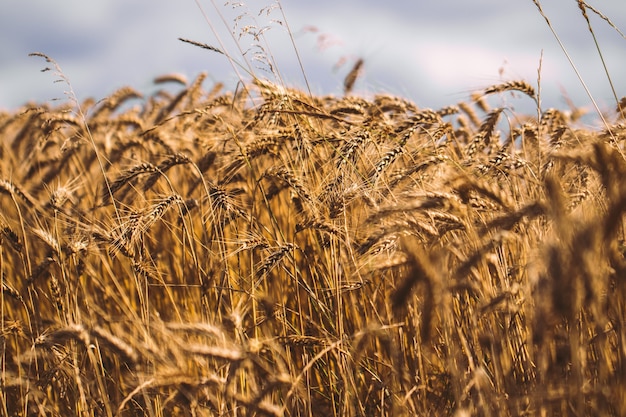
(268, 252)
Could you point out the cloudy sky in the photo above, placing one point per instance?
(432, 52)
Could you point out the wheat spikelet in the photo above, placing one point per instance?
(311, 223)
(385, 161)
(223, 199)
(349, 105)
(26, 134)
(448, 111)
(298, 340)
(57, 121)
(290, 179)
(475, 145)
(230, 354)
(198, 328)
(262, 146)
(488, 125)
(108, 340)
(119, 122)
(420, 271)
(490, 190)
(140, 268)
(164, 166)
(10, 291)
(521, 86)
(387, 238)
(87, 337)
(348, 152)
(155, 212)
(114, 101)
(552, 117)
(463, 269)
(194, 91)
(425, 201)
(131, 232)
(120, 147)
(352, 76)
(251, 244)
(77, 332)
(125, 177)
(274, 258)
(206, 161)
(621, 108)
(13, 190)
(120, 242)
(171, 78)
(48, 239)
(59, 197)
(498, 163)
(480, 101)
(262, 407)
(407, 173)
(470, 112)
(161, 116)
(423, 119)
(386, 103)
(11, 236)
(420, 120)
(202, 45)
(437, 133)
(55, 290)
(446, 222)
(41, 269)
(557, 136)
(335, 199)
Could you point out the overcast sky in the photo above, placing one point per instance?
(432, 52)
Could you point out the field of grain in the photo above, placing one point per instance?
(268, 252)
